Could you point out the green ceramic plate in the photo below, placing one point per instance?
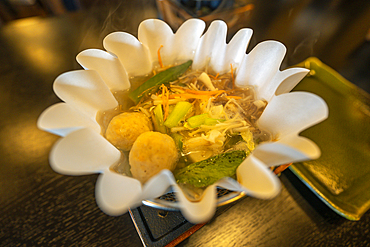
(341, 176)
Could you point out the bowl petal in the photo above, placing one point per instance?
(186, 39)
(153, 33)
(83, 152)
(288, 79)
(158, 185)
(108, 66)
(61, 119)
(235, 51)
(201, 211)
(230, 184)
(116, 193)
(294, 149)
(260, 66)
(283, 82)
(257, 179)
(303, 144)
(133, 55)
(212, 45)
(85, 91)
(292, 113)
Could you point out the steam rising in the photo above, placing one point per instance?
(105, 17)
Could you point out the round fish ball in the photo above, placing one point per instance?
(151, 153)
(124, 129)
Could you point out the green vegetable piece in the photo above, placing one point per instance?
(163, 77)
(212, 121)
(178, 140)
(197, 120)
(158, 119)
(177, 114)
(209, 171)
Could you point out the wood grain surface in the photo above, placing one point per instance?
(39, 207)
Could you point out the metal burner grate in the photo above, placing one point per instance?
(168, 201)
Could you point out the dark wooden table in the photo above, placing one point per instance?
(39, 207)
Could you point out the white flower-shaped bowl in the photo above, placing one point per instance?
(83, 150)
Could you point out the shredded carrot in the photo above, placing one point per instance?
(189, 96)
(220, 92)
(186, 96)
(215, 92)
(232, 75)
(159, 57)
(205, 94)
(214, 77)
(234, 97)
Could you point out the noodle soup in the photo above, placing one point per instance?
(201, 116)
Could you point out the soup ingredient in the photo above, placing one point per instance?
(209, 171)
(178, 140)
(207, 81)
(178, 113)
(125, 128)
(158, 119)
(198, 120)
(151, 153)
(164, 77)
(207, 119)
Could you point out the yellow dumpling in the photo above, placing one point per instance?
(124, 129)
(151, 153)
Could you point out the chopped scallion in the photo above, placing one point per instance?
(163, 77)
(178, 114)
(158, 119)
(197, 120)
